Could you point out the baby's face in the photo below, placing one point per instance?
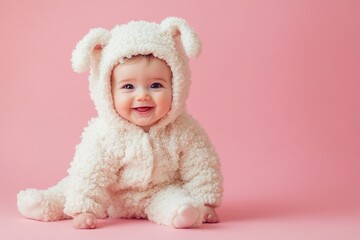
(142, 91)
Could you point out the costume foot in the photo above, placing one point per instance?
(29, 204)
(187, 217)
(85, 221)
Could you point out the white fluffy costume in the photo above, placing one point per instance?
(118, 169)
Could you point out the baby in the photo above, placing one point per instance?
(143, 156)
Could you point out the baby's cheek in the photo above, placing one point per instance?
(166, 100)
(122, 104)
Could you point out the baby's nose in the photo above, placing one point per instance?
(143, 95)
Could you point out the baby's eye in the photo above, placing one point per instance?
(156, 85)
(128, 86)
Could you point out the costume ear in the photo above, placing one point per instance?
(88, 48)
(188, 37)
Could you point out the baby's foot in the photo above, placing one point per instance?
(187, 217)
(210, 216)
(85, 221)
(29, 204)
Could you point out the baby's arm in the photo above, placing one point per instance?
(91, 172)
(200, 170)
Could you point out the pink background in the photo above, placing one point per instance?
(277, 88)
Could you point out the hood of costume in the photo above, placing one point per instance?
(172, 40)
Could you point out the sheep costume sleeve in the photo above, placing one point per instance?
(92, 171)
(200, 165)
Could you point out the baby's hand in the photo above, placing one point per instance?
(85, 221)
(210, 216)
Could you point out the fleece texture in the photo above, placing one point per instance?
(118, 169)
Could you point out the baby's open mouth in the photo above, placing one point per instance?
(143, 109)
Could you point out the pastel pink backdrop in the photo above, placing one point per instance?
(276, 87)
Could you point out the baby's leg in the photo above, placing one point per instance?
(43, 205)
(173, 207)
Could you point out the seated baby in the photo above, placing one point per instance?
(143, 156)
